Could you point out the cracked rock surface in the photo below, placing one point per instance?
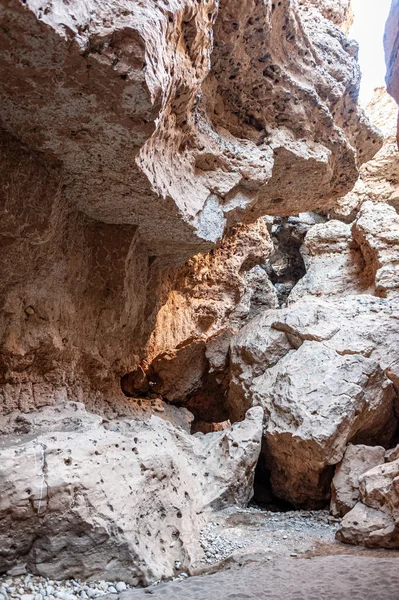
(325, 367)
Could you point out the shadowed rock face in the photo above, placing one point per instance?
(133, 136)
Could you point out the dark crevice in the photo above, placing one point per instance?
(264, 497)
(285, 267)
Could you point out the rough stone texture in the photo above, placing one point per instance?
(376, 231)
(379, 178)
(391, 45)
(127, 81)
(345, 484)
(213, 295)
(339, 12)
(133, 136)
(334, 263)
(324, 368)
(317, 367)
(123, 500)
(374, 521)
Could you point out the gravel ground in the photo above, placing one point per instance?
(32, 587)
(240, 531)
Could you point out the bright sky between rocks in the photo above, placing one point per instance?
(368, 31)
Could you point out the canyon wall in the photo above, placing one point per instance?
(391, 44)
(152, 156)
(133, 137)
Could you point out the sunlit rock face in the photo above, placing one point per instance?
(379, 178)
(391, 44)
(134, 135)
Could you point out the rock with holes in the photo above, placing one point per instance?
(378, 178)
(345, 485)
(374, 521)
(135, 135)
(118, 499)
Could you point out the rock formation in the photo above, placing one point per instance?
(391, 44)
(345, 485)
(132, 138)
(374, 520)
(142, 146)
(120, 499)
(322, 367)
(379, 178)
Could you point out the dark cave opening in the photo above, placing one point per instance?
(264, 497)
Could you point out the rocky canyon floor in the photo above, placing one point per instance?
(249, 554)
(199, 303)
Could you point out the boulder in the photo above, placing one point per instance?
(345, 484)
(316, 401)
(334, 263)
(116, 499)
(374, 521)
(376, 231)
(321, 369)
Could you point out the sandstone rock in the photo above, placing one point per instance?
(285, 266)
(133, 139)
(345, 485)
(209, 288)
(320, 369)
(311, 414)
(391, 45)
(188, 349)
(376, 231)
(334, 263)
(374, 522)
(160, 126)
(364, 524)
(339, 12)
(378, 178)
(124, 499)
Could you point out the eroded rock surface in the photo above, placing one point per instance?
(324, 367)
(345, 485)
(374, 521)
(391, 44)
(378, 178)
(121, 499)
(133, 137)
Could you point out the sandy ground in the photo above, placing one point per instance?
(281, 556)
(254, 554)
(322, 578)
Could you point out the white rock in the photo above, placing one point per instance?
(185, 479)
